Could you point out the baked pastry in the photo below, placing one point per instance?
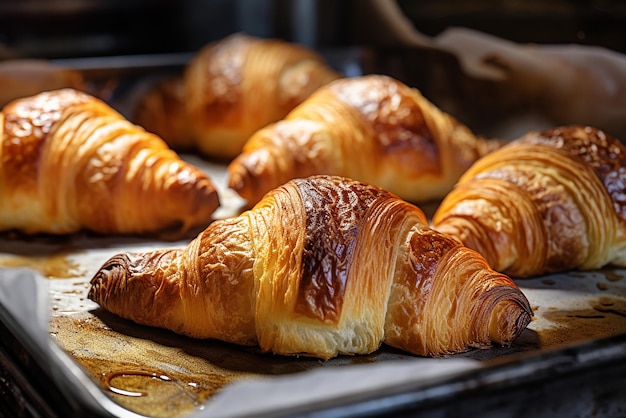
(319, 267)
(372, 128)
(70, 162)
(160, 108)
(230, 89)
(27, 77)
(550, 201)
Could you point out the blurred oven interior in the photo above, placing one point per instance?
(87, 28)
(496, 83)
(365, 36)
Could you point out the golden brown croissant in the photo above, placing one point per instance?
(230, 89)
(321, 266)
(547, 202)
(161, 110)
(70, 162)
(371, 128)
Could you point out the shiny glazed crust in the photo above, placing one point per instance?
(373, 129)
(550, 201)
(319, 267)
(230, 89)
(70, 162)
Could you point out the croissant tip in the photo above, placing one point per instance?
(509, 320)
(107, 279)
(243, 181)
(235, 179)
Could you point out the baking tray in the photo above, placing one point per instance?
(61, 355)
(112, 367)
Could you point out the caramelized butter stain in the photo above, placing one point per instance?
(107, 380)
(612, 275)
(604, 317)
(52, 266)
(131, 371)
(152, 391)
(611, 305)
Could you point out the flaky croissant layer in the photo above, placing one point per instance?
(231, 88)
(550, 201)
(70, 162)
(319, 267)
(374, 129)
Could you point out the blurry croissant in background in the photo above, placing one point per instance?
(27, 77)
(321, 266)
(70, 162)
(230, 89)
(371, 128)
(550, 201)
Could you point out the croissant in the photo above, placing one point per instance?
(319, 267)
(550, 201)
(26, 77)
(230, 89)
(371, 128)
(70, 162)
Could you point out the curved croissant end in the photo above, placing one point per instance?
(449, 299)
(319, 267)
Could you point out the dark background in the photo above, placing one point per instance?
(85, 28)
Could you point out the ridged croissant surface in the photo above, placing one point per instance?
(547, 202)
(70, 162)
(230, 89)
(373, 129)
(320, 267)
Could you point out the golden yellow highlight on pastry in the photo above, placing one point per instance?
(230, 89)
(320, 267)
(550, 201)
(374, 129)
(69, 162)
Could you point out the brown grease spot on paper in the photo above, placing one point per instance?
(605, 317)
(124, 366)
(52, 266)
(612, 275)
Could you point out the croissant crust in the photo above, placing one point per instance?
(230, 89)
(70, 162)
(373, 129)
(550, 201)
(319, 267)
